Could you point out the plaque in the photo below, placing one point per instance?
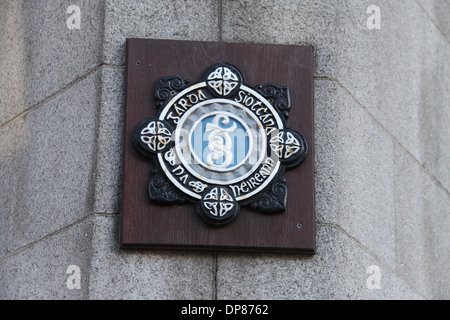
(218, 148)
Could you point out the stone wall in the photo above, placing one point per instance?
(382, 126)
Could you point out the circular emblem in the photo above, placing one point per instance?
(223, 79)
(218, 206)
(154, 136)
(220, 143)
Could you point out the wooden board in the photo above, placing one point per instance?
(148, 225)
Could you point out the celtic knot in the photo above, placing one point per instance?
(170, 157)
(222, 80)
(198, 186)
(284, 144)
(156, 136)
(218, 201)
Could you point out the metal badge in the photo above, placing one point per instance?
(220, 144)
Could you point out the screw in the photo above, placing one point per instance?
(299, 225)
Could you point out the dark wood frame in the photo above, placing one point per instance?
(148, 225)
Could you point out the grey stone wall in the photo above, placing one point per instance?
(382, 126)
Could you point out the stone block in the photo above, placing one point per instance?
(55, 163)
(354, 170)
(177, 20)
(7, 180)
(423, 228)
(145, 274)
(438, 11)
(40, 54)
(337, 271)
(397, 73)
(39, 271)
(12, 61)
(108, 179)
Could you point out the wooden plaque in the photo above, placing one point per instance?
(149, 225)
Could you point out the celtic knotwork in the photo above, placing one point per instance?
(152, 136)
(223, 79)
(284, 142)
(219, 142)
(276, 144)
(212, 195)
(170, 157)
(218, 207)
(198, 186)
(156, 136)
(225, 196)
(289, 146)
(219, 202)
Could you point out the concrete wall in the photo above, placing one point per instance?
(382, 126)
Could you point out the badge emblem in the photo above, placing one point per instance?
(220, 144)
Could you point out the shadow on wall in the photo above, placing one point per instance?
(13, 88)
(13, 56)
